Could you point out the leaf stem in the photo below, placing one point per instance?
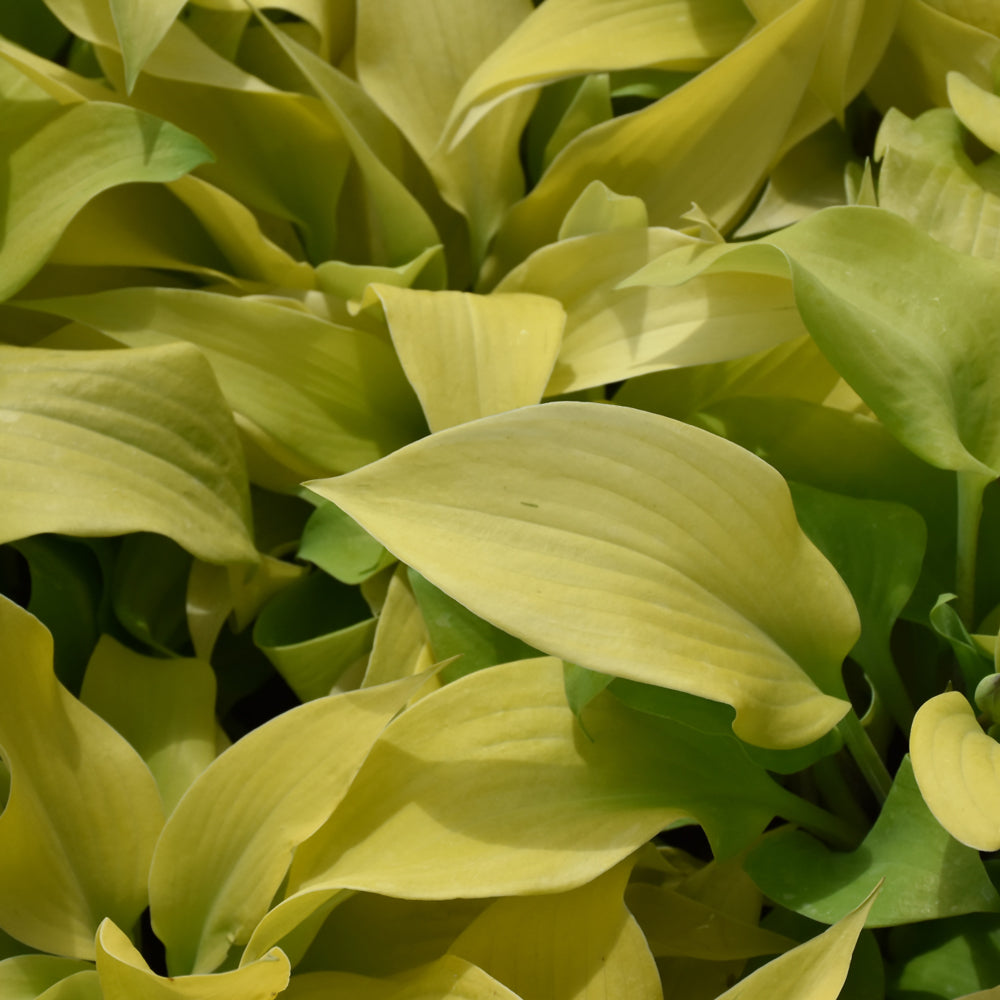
(837, 832)
(970, 508)
(865, 755)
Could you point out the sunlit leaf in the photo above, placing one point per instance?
(78, 151)
(927, 874)
(164, 708)
(107, 442)
(709, 141)
(470, 356)
(569, 37)
(815, 970)
(338, 400)
(79, 828)
(126, 976)
(957, 767)
(577, 945)
(575, 550)
(402, 645)
(227, 845)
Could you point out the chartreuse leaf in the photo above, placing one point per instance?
(79, 828)
(224, 851)
(402, 646)
(574, 945)
(338, 400)
(815, 970)
(470, 356)
(877, 548)
(709, 141)
(84, 985)
(413, 60)
(164, 708)
(617, 333)
(927, 874)
(25, 977)
(126, 976)
(492, 775)
(340, 546)
(78, 151)
(570, 38)
(576, 549)
(957, 767)
(927, 177)
(976, 108)
(447, 978)
(140, 26)
(109, 442)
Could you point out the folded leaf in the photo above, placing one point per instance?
(126, 976)
(78, 830)
(78, 151)
(109, 442)
(575, 548)
(957, 767)
(470, 356)
(227, 845)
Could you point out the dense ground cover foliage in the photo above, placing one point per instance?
(497, 500)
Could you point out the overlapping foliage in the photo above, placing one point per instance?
(496, 500)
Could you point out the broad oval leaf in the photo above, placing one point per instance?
(957, 767)
(110, 442)
(79, 828)
(628, 543)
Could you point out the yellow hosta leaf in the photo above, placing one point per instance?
(628, 543)
(164, 708)
(957, 767)
(401, 647)
(26, 977)
(449, 978)
(977, 108)
(227, 845)
(79, 828)
(710, 141)
(470, 356)
(577, 945)
(571, 37)
(108, 442)
(412, 58)
(126, 976)
(815, 970)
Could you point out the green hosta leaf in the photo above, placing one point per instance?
(227, 845)
(927, 874)
(140, 25)
(617, 333)
(84, 985)
(974, 662)
(570, 37)
(709, 141)
(126, 976)
(574, 945)
(25, 977)
(78, 151)
(929, 179)
(79, 828)
(412, 59)
(957, 767)
(109, 442)
(499, 793)
(815, 970)
(448, 978)
(907, 321)
(340, 546)
(453, 631)
(313, 631)
(877, 548)
(164, 708)
(575, 549)
(470, 356)
(338, 400)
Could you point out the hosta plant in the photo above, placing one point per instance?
(497, 500)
